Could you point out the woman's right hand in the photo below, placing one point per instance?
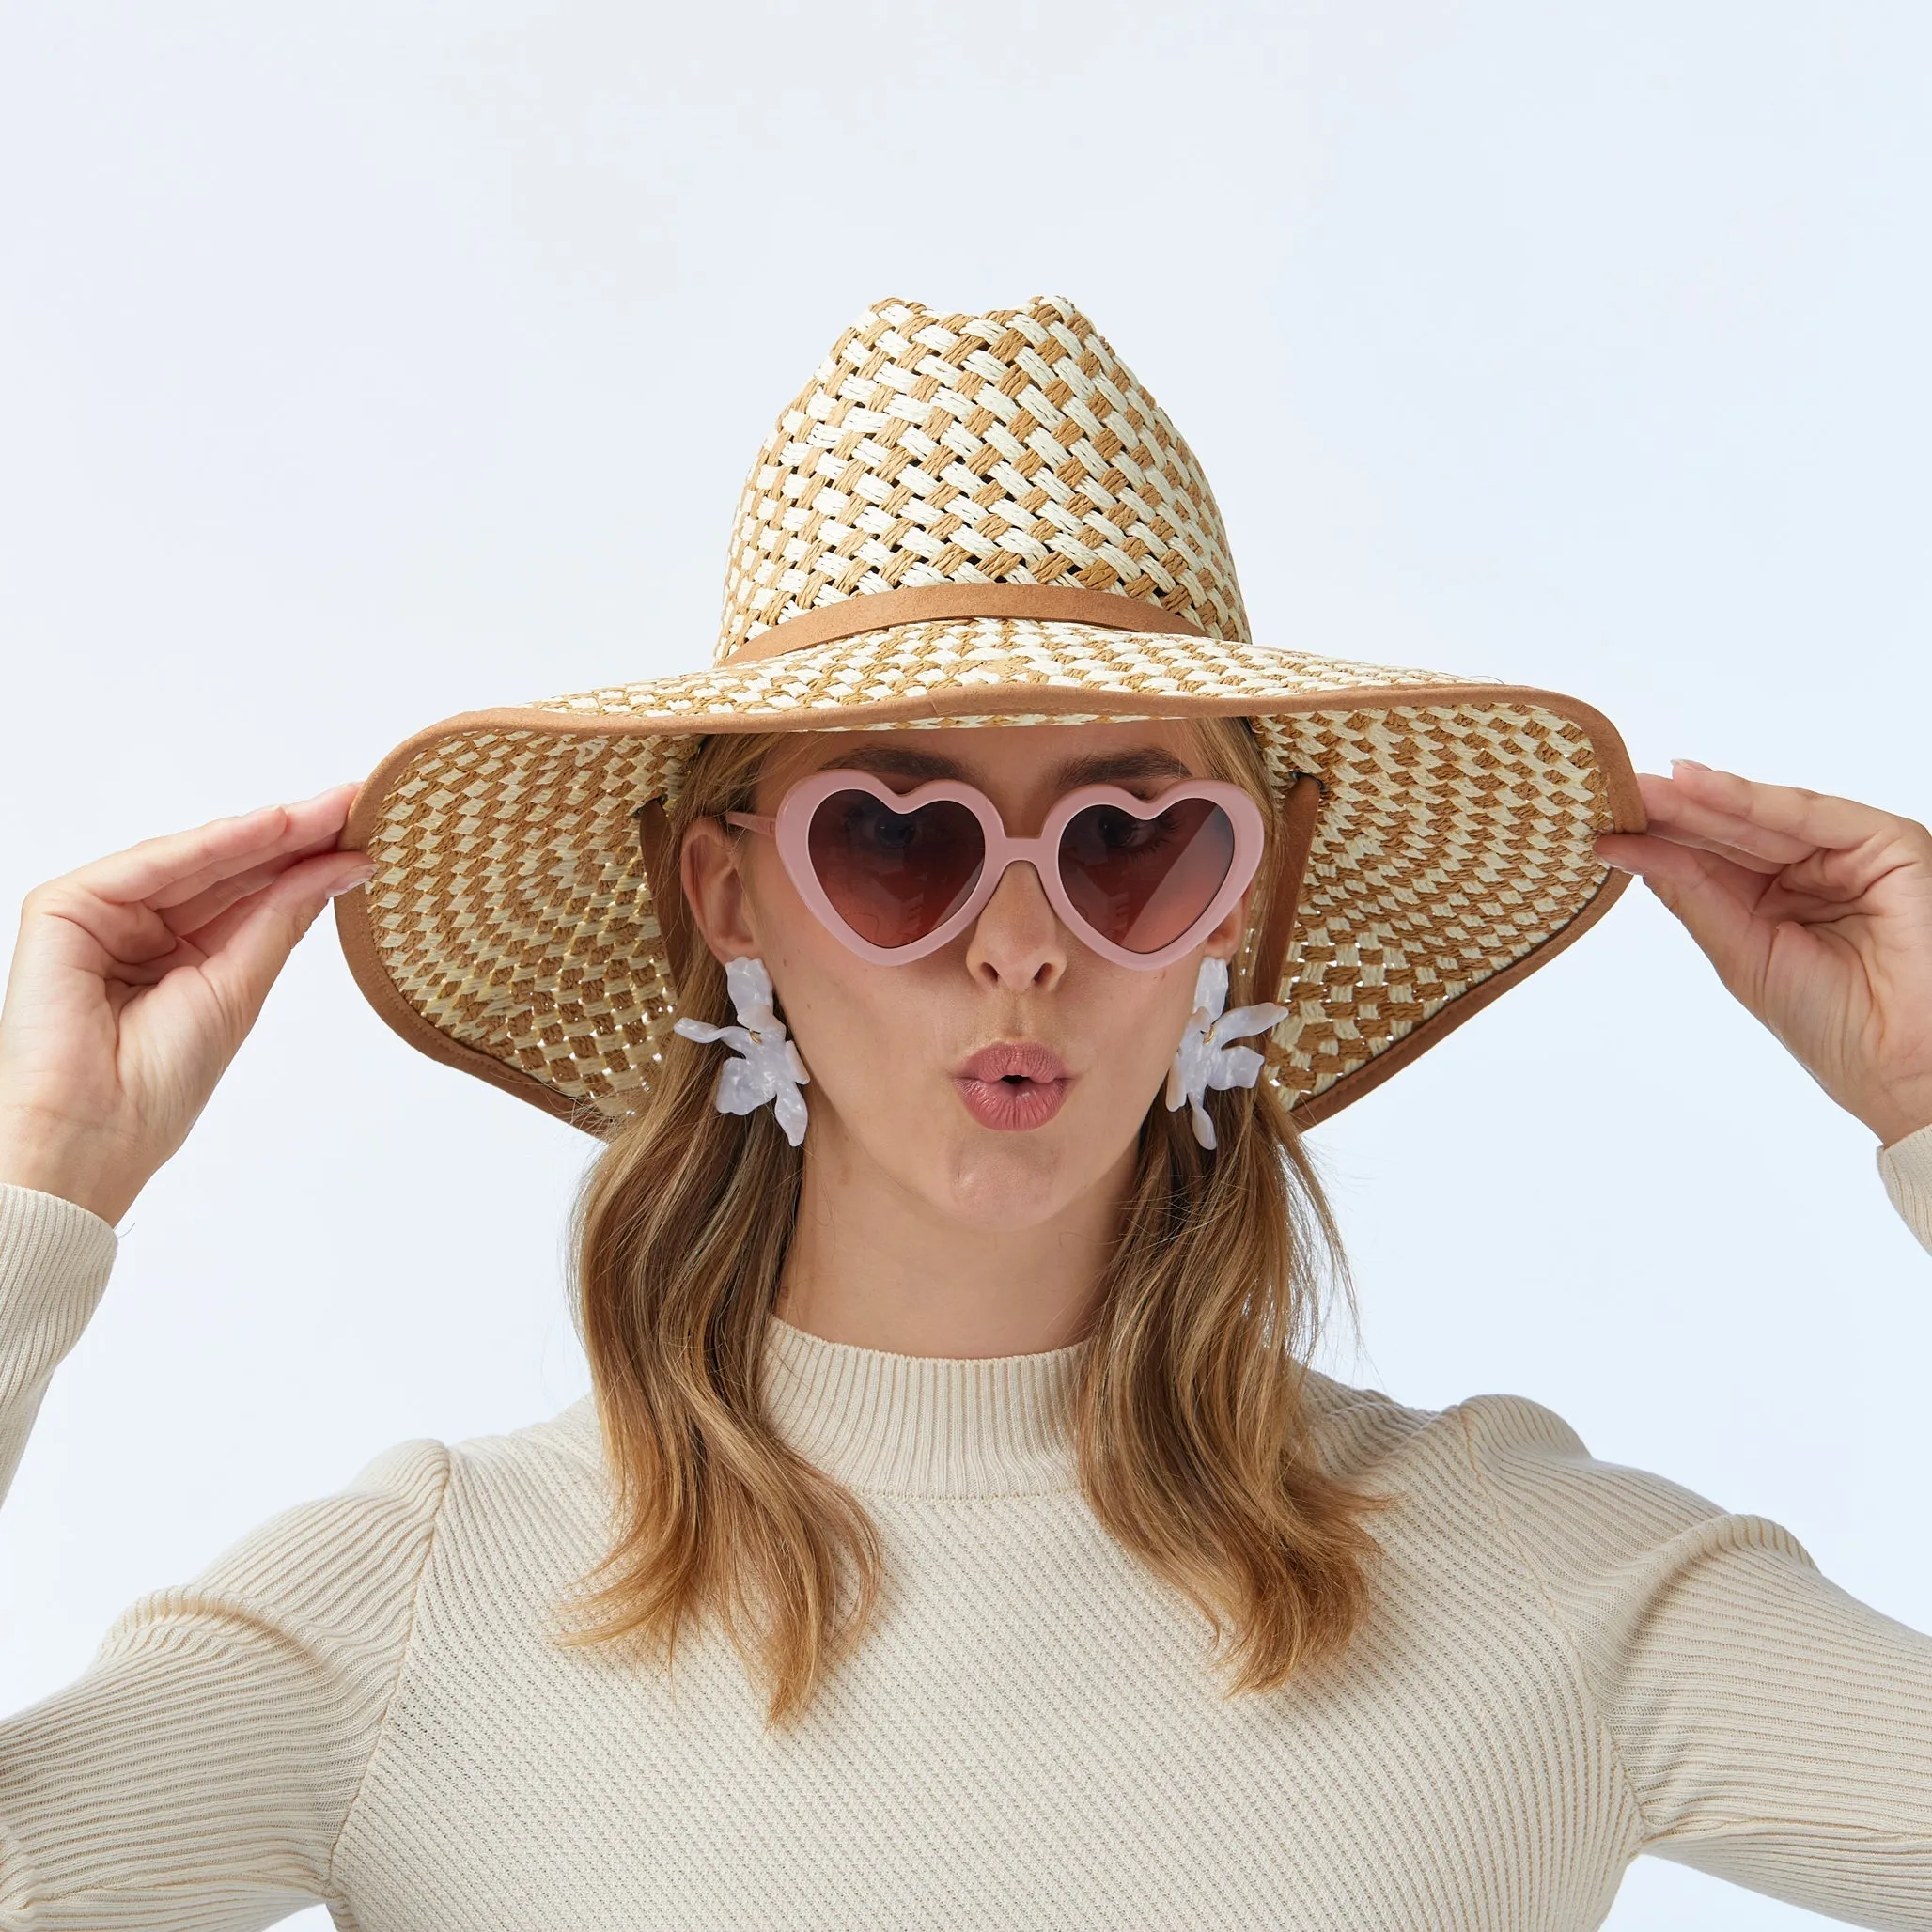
(135, 981)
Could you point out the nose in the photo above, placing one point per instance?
(1017, 941)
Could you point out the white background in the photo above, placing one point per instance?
(363, 364)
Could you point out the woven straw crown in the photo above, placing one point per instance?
(968, 521)
(1002, 448)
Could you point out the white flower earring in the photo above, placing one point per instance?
(767, 1066)
(1204, 1060)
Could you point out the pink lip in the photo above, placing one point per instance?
(1014, 1086)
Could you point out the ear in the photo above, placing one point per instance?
(714, 890)
(1224, 941)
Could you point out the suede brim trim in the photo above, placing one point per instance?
(1392, 1059)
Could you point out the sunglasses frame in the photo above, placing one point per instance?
(789, 828)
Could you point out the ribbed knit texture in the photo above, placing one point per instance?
(1566, 1663)
(1905, 1167)
(54, 1259)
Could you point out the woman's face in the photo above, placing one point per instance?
(1003, 1077)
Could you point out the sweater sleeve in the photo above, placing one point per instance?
(198, 1776)
(1774, 1731)
(1905, 1168)
(54, 1259)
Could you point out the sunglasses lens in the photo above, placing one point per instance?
(893, 877)
(1142, 882)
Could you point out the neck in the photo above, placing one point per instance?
(875, 1267)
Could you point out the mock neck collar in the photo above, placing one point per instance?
(924, 1425)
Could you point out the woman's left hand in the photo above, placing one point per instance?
(1816, 912)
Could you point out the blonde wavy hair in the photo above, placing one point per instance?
(1188, 1423)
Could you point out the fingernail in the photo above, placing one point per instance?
(360, 875)
(1690, 763)
(325, 791)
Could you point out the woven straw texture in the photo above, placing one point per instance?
(1011, 448)
(509, 927)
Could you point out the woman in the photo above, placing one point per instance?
(956, 1536)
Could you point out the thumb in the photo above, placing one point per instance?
(253, 951)
(1713, 900)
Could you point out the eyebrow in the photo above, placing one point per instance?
(1106, 768)
(1114, 768)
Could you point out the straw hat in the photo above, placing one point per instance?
(970, 519)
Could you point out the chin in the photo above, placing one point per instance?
(1017, 1182)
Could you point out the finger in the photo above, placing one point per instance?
(187, 916)
(210, 939)
(159, 949)
(127, 938)
(1791, 892)
(1675, 835)
(1807, 907)
(1814, 818)
(1713, 900)
(207, 852)
(315, 825)
(1669, 805)
(132, 940)
(261, 934)
(1835, 875)
(1665, 863)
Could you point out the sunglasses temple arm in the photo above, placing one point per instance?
(753, 821)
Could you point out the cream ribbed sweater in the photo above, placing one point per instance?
(1567, 1663)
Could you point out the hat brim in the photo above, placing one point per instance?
(508, 927)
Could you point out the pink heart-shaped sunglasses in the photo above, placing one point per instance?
(899, 875)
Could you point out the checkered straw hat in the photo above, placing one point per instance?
(971, 520)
